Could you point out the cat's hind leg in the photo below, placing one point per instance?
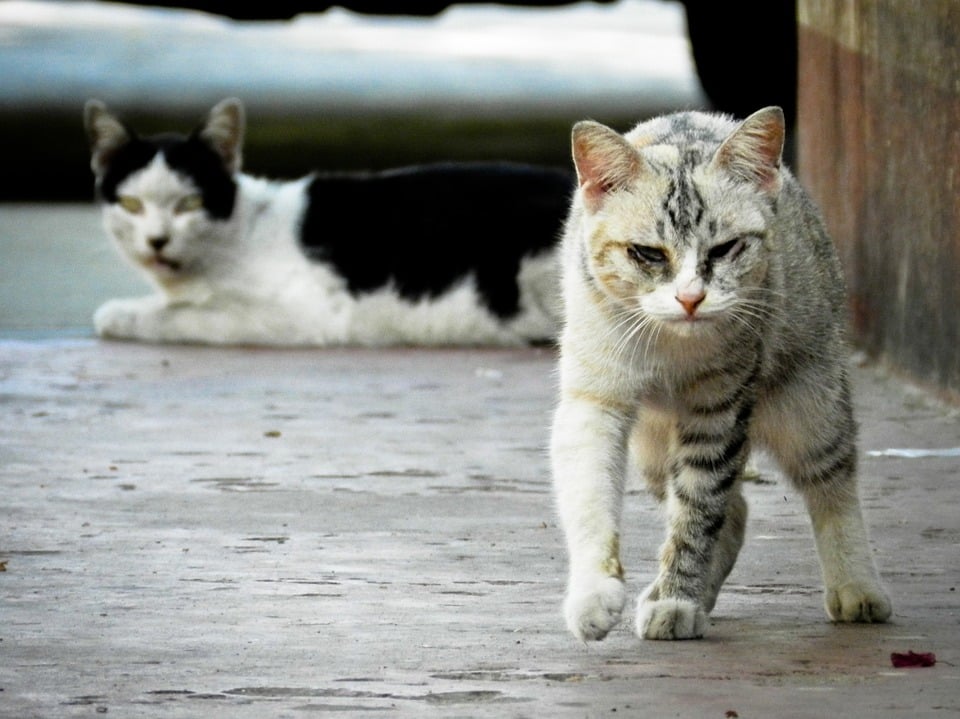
(816, 446)
(727, 549)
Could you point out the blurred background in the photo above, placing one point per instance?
(364, 84)
(357, 84)
(869, 87)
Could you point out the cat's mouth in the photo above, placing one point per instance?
(692, 325)
(159, 262)
(686, 320)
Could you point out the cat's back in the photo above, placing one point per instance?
(519, 200)
(421, 230)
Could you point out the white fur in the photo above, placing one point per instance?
(249, 283)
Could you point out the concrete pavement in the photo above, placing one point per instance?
(209, 532)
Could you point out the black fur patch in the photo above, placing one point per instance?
(423, 229)
(189, 156)
(683, 204)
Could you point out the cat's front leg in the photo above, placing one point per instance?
(129, 318)
(706, 515)
(588, 445)
(154, 319)
(663, 617)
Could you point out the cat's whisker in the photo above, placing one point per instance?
(753, 323)
(760, 310)
(629, 324)
(651, 340)
(639, 324)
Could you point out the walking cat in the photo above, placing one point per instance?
(703, 316)
(441, 254)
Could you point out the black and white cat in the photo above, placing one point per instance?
(443, 254)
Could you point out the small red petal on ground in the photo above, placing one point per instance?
(913, 659)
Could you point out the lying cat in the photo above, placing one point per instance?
(704, 315)
(438, 254)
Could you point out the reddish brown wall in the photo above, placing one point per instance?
(879, 149)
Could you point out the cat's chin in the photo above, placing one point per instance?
(689, 327)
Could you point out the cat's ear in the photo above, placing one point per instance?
(105, 133)
(604, 159)
(753, 151)
(224, 130)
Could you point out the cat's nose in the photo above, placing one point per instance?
(691, 299)
(690, 294)
(158, 243)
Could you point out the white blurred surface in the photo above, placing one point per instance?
(473, 57)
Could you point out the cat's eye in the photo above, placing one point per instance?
(131, 204)
(727, 250)
(190, 203)
(647, 255)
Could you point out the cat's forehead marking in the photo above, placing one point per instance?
(683, 203)
(157, 182)
(661, 154)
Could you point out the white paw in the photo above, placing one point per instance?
(122, 318)
(859, 601)
(670, 619)
(592, 612)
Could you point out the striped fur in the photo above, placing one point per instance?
(703, 317)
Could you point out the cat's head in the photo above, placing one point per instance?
(676, 215)
(166, 195)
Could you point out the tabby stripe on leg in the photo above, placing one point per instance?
(716, 464)
(843, 464)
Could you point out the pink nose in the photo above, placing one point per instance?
(691, 300)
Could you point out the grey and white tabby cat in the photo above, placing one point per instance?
(704, 316)
(438, 254)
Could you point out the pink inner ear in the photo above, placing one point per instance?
(593, 194)
(589, 174)
(593, 179)
(604, 163)
(587, 165)
(753, 151)
(766, 173)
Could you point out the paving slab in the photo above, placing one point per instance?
(217, 532)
